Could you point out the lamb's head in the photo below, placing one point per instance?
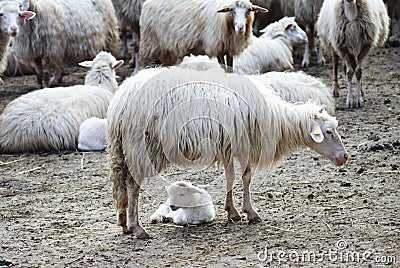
(183, 194)
(325, 140)
(9, 16)
(293, 31)
(103, 60)
(240, 14)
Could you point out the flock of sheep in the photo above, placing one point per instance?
(236, 103)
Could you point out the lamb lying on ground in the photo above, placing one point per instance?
(186, 204)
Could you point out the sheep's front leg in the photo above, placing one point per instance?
(321, 59)
(39, 71)
(229, 63)
(233, 214)
(359, 91)
(252, 215)
(335, 84)
(133, 226)
(350, 102)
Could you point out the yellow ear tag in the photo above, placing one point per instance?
(317, 132)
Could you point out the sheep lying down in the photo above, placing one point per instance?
(186, 204)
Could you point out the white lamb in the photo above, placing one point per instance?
(65, 32)
(272, 51)
(186, 204)
(180, 116)
(171, 30)
(350, 29)
(49, 119)
(10, 15)
(92, 134)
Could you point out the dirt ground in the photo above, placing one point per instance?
(56, 210)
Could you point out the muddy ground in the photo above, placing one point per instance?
(56, 210)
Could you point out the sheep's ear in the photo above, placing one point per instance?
(27, 15)
(290, 25)
(256, 9)
(316, 133)
(194, 190)
(87, 64)
(225, 9)
(117, 64)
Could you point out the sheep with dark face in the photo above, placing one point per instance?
(186, 117)
(216, 28)
(350, 29)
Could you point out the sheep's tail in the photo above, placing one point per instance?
(119, 172)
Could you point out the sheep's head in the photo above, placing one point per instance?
(325, 140)
(183, 194)
(293, 31)
(9, 15)
(242, 12)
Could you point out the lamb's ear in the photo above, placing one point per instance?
(256, 9)
(194, 190)
(87, 64)
(117, 64)
(27, 15)
(316, 133)
(225, 9)
(290, 25)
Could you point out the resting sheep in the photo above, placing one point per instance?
(297, 87)
(186, 204)
(181, 116)
(49, 119)
(272, 51)
(277, 10)
(65, 32)
(92, 134)
(9, 17)
(306, 13)
(200, 29)
(128, 14)
(350, 29)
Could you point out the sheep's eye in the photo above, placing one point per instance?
(329, 132)
(1, 14)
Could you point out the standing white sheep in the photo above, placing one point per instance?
(306, 13)
(49, 119)
(171, 30)
(272, 51)
(92, 134)
(181, 116)
(65, 32)
(9, 16)
(128, 14)
(350, 29)
(186, 204)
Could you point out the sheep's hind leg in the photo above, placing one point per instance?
(252, 215)
(133, 226)
(233, 214)
(335, 84)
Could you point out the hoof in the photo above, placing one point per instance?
(255, 220)
(235, 218)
